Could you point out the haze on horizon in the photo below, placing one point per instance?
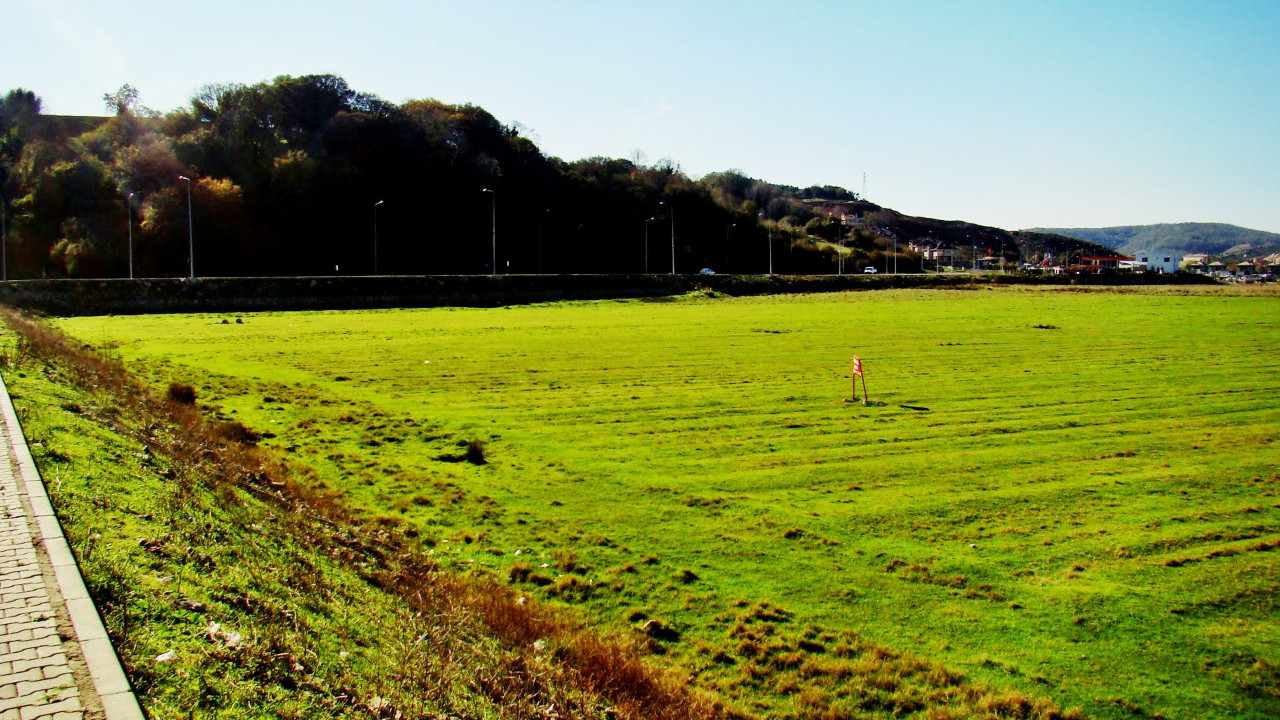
(1002, 113)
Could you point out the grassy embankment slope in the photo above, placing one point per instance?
(1086, 509)
(230, 592)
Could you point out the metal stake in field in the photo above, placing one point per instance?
(857, 373)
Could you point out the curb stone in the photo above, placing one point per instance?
(109, 681)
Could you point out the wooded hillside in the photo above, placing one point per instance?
(307, 176)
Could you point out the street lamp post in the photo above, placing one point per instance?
(728, 248)
(191, 242)
(672, 206)
(646, 244)
(375, 235)
(493, 196)
(769, 235)
(4, 241)
(128, 207)
(540, 223)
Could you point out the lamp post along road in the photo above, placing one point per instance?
(646, 244)
(128, 207)
(672, 206)
(728, 247)
(494, 209)
(4, 241)
(375, 235)
(769, 239)
(191, 242)
(542, 220)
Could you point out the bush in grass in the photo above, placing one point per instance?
(567, 561)
(237, 432)
(520, 572)
(182, 394)
(685, 576)
(475, 452)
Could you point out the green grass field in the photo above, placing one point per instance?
(1071, 494)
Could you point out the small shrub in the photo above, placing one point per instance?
(236, 432)
(182, 394)
(567, 561)
(570, 587)
(658, 630)
(520, 572)
(788, 660)
(475, 452)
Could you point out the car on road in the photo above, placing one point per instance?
(870, 270)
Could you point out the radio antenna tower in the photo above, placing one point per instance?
(864, 186)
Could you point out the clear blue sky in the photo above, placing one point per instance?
(1014, 114)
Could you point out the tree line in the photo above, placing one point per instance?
(306, 176)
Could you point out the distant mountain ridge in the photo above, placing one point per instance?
(1220, 239)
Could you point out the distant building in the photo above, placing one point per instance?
(1099, 263)
(1196, 257)
(928, 250)
(939, 254)
(1159, 262)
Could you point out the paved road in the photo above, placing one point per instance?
(56, 662)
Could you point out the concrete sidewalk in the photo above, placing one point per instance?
(56, 661)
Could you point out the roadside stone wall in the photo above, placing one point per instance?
(123, 297)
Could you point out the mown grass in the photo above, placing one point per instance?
(1069, 495)
(228, 590)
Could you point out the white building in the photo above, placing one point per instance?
(1161, 261)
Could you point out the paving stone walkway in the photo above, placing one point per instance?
(56, 662)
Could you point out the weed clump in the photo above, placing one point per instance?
(236, 432)
(659, 630)
(182, 394)
(685, 576)
(520, 572)
(475, 452)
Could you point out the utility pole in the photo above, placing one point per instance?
(191, 242)
(375, 236)
(4, 240)
(672, 206)
(128, 206)
(769, 230)
(494, 209)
